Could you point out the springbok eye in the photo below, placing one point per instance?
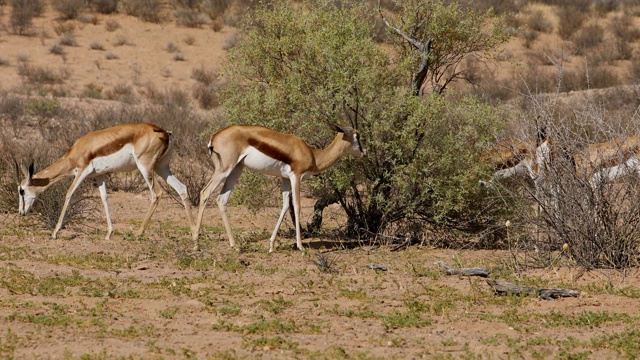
(21, 192)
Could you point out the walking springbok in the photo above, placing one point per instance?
(517, 158)
(271, 153)
(121, 148)
(509, 159)
(609, 160)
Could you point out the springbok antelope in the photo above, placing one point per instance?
(609, 160)
(509, 159)
(517, 158)
(271, 153)
(121, 148)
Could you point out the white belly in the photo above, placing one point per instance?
(263, 164)
(120, 161)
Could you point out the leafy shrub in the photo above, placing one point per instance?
(423, 151)
(43, 107)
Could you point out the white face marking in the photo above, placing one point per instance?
(121, 161)
(356, 147)
(256, 160)
(26, 199)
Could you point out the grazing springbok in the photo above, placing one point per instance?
(121, 148)
(271, 153)
(509, 159)
(517, 158)
(609, 160)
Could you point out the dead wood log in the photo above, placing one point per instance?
(482, 272)
(505, 288)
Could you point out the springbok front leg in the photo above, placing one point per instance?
(72, 189)
(102, 186)
(286, 193)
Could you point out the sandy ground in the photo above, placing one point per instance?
(154, 298)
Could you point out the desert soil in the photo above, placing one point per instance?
(154, 297)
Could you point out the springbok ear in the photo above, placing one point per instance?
(27, 172)
(18, 179)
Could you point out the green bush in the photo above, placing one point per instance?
(297, 70)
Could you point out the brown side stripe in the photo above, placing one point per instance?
(271, 151)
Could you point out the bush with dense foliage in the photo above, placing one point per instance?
(298, 68)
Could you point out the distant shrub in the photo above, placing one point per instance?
(96, 46)
(602, 77)
(230, 42)
(530, 36)
(147, 10)
(68, 40)
(4, 61)
(570, 21)
(179, 57)
(606, 6)
(111, 56)
(634, 71)
(206, 95)
(190, 40)
(89, 19)
(37, 75)
(104, 6)
(112, 25)
(92, 91)
(68, 9)
(57, 49)
(22, 14)
(538, 21)
(203, 76)
(215, 8)
(172, 48)
(43, 107)
(625, 33)
(588, 37)
(12, 107)
(217, 25)
(191, 18)
(121, 92)
(121, 40)
(188, 4)
(64, 27)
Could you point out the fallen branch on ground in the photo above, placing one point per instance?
(482, 272)
(505, 288)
